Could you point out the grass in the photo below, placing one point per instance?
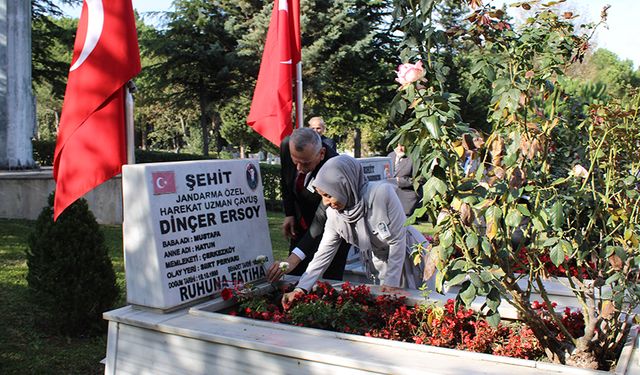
(24, 349)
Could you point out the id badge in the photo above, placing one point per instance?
(383, 229)
(309, 187)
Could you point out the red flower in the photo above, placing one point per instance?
(226, 294)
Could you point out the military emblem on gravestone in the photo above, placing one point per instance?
(252, 176)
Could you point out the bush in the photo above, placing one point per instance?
(271, 182)
(43, 155)
(70, 273)
(145, 156)
(43, 152)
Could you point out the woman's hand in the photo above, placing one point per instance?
(288, 298)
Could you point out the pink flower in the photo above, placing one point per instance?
(409, 73)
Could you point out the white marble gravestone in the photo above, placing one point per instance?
(192, 229)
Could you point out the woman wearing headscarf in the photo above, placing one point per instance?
(368, 215)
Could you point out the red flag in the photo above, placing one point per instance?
(270, 113)
(91, 145)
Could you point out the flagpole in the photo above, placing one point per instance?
(130, 88)
(299, 115)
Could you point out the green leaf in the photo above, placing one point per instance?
(493, 319)
(550, 242)
(486, 276)
(476, 280)
(433, 125)
(497, 272)
(493, 299)
(434, 185)
(523, 210)
(514, 218)
(613, 278)
(557, 215)
(557, 254)
(537, 224)
(467, 293)
(457, 279)
(471, 240)
(446, 239)
(480, 172)
(486, 247)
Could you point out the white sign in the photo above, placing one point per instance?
(377, 168)
(192, 229)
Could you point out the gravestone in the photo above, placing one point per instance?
(377, 168)
(192, 229)
(17, 108)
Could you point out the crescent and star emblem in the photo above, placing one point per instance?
(161, 182)
(95, 24)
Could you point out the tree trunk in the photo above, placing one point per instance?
(216, 121)
(204, 124)
(143, 136)
(555, 350)
(357, 143)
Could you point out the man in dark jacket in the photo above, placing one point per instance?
(403, 177)
(301, 155)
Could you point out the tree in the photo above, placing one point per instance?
(550, 194)
(49, 41)
(234, 127)
(52, 44)
(197, 62)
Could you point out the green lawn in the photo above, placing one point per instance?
(24, 349)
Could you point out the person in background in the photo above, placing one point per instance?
(318, 125)
(403, 177)
(368, 215)
(302, 154)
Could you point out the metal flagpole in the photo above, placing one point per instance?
(299, 115)
(130, 88)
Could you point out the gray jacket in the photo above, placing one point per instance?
(385, 220)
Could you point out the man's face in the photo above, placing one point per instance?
(317, 127)
(306, 160)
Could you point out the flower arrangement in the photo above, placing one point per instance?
(354, 310)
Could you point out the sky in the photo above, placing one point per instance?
(618, 37)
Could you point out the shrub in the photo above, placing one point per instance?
(545, 192)
(271, 182)
(43, 152)
(70, 273)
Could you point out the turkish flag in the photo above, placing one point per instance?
(270, 113)
(91, 145)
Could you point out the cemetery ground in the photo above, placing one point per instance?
(25, 348)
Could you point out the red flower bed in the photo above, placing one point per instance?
(354, 310)
(570, 266)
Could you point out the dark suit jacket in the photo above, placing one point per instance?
(329, 142)
(404, 172)
(308, 205)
